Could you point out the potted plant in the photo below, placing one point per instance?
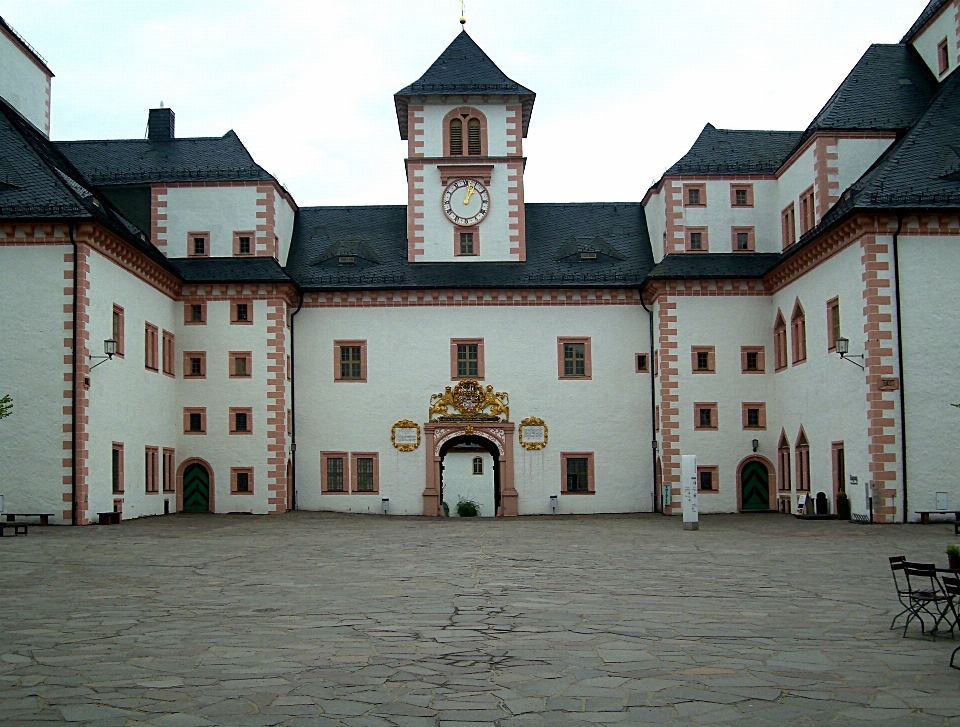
(843, 506)
(953, 556)
(467, 508)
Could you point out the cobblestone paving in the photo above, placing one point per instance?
(360, 621)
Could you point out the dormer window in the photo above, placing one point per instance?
(588, 256)
(347, 259)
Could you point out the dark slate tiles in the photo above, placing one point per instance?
(230, 269)
(714, 265)
(728, 151)
(933, 7)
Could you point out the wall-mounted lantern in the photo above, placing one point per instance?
(843, 348)
(109, 348)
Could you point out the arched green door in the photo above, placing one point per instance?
(754, 487)
(196, 488)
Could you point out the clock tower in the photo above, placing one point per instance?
(464, 122)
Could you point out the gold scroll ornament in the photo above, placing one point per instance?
(533, 422)
(470, 400)
(406, 444)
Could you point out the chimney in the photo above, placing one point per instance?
(160, 125)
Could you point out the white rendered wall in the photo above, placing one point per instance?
(24, 84)
(128, 403)
(408, 354)
(459, 482)
(945, 26)
(284, 227)
(856, 156)
(727, 323)
(793, 181)
(218, 393)
(656, 215)
(826, 395)
(433, 114)
(221, 211)
(720, 216)
(931, 330)
(31, 371)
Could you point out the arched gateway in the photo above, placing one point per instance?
(469, 410)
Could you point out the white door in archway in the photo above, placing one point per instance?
(468, 475)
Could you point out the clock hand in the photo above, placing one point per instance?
(470, 190)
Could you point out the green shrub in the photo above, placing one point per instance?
(953, 550)
(467, 508)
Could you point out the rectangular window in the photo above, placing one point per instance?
(466, 241)
(833, 323)
(116, 467)
(365, 475)
(943, 56)
(117, 332)
(198, 244)
(241, 420)
(241, 313)
(150, 345)
(697, 239)
(195, 314)
(168, 353)
(466, 358)
(169, 470)
(243, 243)
(578, 473)
(703, 359)
(241, 364)
(574, 358)
(788, 223)
(194, 364)
(839, 468)
(333, 472)
(195, 420)
(151, 474)
(754, 415)
(708, 478)
(705, 416)
(642, 363)
(808, 213)
(350, 361)
(741, 195)
(695, 195)
(752, 359)
(743, 239)
(241, 480)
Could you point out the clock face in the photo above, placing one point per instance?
(466, 202)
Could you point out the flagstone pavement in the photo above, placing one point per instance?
(380, 621)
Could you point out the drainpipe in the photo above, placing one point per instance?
(903, 410)
(75, 509)
(653, 405)
(293, 403)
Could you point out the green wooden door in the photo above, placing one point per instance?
(196, 489)
(754, 487)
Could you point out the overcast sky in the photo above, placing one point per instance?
(623, 88)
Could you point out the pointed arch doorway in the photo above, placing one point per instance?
(494, 437)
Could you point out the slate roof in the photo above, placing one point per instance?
(463, 68)
(887, 90)
(933, 7)
(229, 269)
(729, 151)
(38, 182)
(146, 161)
(551, 261)
(715, 265)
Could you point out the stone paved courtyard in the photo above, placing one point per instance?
(318, 619)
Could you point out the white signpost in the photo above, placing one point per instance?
(688, 479)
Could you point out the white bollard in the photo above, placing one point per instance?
(688, 479)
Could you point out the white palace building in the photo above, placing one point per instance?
(180, 335)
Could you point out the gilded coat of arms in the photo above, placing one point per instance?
(470, 400)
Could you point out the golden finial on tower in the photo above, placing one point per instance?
(463, 13)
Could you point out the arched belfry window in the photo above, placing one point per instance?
(456, 137)
(478, 465)
(471, 121)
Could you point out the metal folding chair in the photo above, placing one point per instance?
(951, 585)
(903, 590)
(926, 593)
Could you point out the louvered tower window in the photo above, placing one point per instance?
(456, 137)
(473, 137)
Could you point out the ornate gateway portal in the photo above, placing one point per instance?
(469, 410)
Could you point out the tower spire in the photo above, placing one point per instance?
(463, 14)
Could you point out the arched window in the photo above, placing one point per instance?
(783, 468)
(780, 342)
(803, 462)
(456, 137)
(478, 465)
(798, 330)
(473, 137)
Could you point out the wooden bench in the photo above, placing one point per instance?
(925, 517)
(18, 528)
(44, 517)
(108, 518)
